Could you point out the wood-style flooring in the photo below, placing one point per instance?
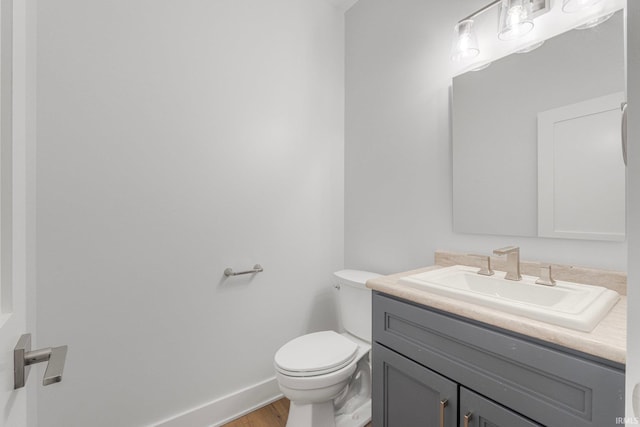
(273, 415)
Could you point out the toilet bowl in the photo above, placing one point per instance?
(327, 375)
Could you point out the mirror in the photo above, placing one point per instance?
(536, 140)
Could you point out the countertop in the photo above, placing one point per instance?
(608, 340)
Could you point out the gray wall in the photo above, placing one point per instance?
(398, 144)
(176, 139)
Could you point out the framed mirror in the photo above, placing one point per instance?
(536, 140)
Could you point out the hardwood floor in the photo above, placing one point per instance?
(273, 415)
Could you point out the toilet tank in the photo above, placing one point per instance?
(355, 302)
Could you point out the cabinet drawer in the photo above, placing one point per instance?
(476, 411)
(544, 384)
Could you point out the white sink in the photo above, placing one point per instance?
(567, 304)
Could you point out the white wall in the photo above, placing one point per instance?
(397, 148)
(176, 139)
(633, 213)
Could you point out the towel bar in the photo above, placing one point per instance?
(256, 269)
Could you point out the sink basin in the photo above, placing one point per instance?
(571, 305)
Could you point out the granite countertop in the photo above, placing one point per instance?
(608, 340)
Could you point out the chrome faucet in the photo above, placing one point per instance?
(513, 261)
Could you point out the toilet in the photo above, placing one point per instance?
(327, 375)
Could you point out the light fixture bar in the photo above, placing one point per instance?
(538, 8)
(479, 11)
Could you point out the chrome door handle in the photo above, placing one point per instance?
(623, 132)
(23, 357)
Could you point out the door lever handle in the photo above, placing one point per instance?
(23, 357)
(623, 132)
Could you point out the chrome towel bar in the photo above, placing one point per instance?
(256, 269)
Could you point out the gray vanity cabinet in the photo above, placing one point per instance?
(422, 357)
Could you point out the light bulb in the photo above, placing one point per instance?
(465, 43)
(515, 19)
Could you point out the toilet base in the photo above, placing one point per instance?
(311, 415)
(322, 415)
(358, 418)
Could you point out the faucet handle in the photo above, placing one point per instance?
(485, 267)
(545, 276)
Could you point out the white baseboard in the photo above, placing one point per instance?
(227, 408)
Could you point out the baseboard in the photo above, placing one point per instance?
(227, 408)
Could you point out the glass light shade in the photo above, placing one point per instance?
(481, 67)
(465, 43)
(531, 47)
(594, 22)
(515, 19)
(571, 6)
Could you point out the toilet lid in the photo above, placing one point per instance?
(315, 354)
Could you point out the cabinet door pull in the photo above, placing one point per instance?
(443, 404)
(467, 418)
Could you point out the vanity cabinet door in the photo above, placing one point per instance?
(406, 394)
(477, 411)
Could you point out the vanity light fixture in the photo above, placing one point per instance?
(571, 6)
(465, 43)
(515, 19)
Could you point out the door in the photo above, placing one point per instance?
(15, 207)
(408, 394)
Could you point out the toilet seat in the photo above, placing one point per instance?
(315, 354)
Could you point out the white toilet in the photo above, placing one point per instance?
(327, 375)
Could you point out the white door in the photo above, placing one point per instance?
(16, 211)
